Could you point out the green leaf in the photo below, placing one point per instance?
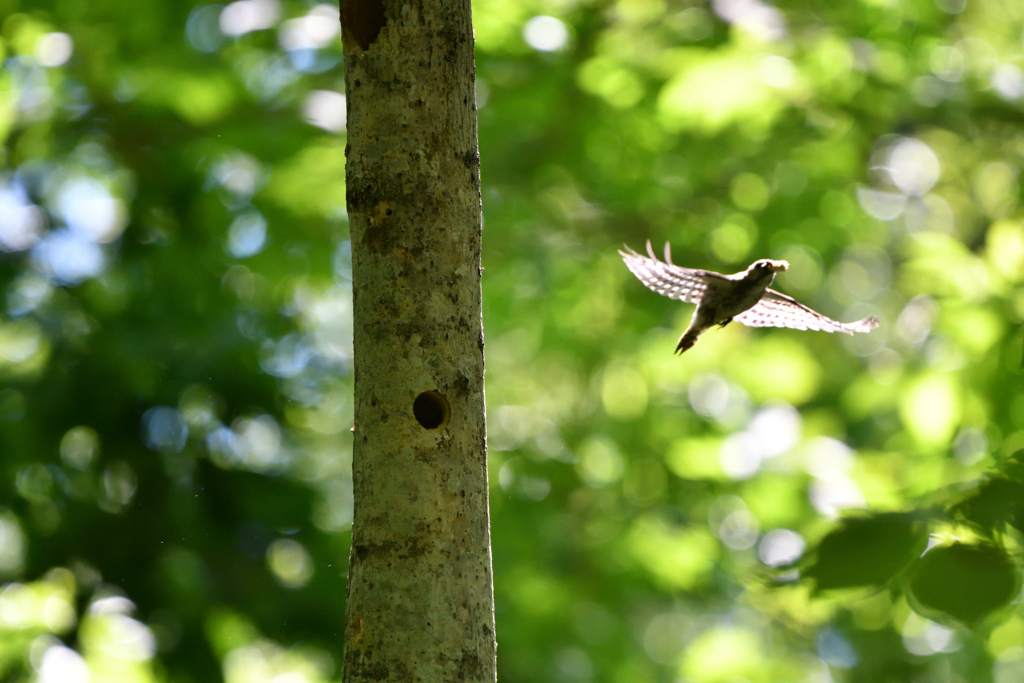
(866, 551)
(994, 504)
(964, 581)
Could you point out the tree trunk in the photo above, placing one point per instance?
(420, 602)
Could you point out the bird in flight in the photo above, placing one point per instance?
(744, 297)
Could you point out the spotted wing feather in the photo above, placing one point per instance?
(775, 309)
(685, 284)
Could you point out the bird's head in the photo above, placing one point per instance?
(767, 265)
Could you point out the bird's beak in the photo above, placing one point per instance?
(778, 266)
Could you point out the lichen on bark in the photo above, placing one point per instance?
(420, 603)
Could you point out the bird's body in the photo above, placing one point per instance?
(720, 299)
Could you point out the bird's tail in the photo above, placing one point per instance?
(688, 339)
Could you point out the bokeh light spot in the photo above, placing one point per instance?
(724, 653)
(913, 167)
(68, 258)
(780, 547)
(21, 222)
(79, 447)
(119, 486)
(545, 34)
(776, 429)
(326, 109)
(623, 392)
(290, 563)
(741, 455)
(314, 31)
(54, 49)
(709, 395)
(835, 649)
(749, 192)
(12, 544)
(247, 235)
(89, 209)
(599, 462)
(202, 29)
(731, 242)
(885, 206)
(245, 16)
(61, 664)
(757, 18)
(930, 408)
(259, 443)
(1008, 81)
(164, 429)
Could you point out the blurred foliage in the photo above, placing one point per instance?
(175, 344)
(866, 551)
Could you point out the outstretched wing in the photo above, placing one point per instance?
(775, 309)
(685, 284)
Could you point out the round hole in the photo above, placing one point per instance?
(431, 410)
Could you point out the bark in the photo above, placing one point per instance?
(420, 602)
